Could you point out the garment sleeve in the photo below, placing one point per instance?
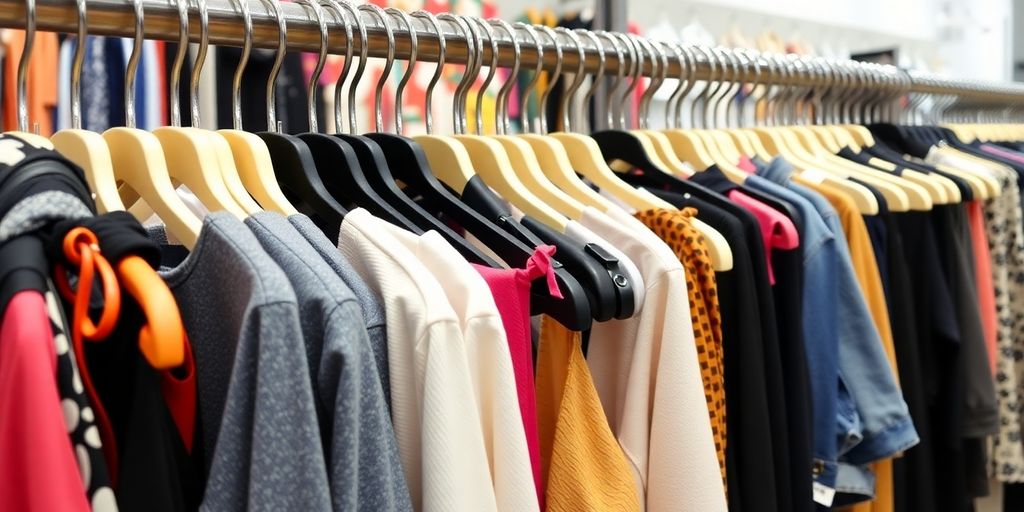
(268, 455)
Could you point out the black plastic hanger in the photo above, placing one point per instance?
(408, 163)
(294, 165)
(374, 164)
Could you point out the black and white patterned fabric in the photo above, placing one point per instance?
(1004, 223)
(79, 416)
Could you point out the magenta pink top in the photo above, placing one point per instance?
(511, 290)
(777, 231)
(1003, 153)
(38, 469)
(747, 165)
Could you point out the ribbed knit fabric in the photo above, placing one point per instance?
(581, 462)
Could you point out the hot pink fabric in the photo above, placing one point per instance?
(777, 231)
(1004, 153)
(986, 289)
(511, 290)
(38, 470)
(747, 165)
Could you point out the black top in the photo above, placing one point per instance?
(750, 460)
(155, 470)
(784, 366)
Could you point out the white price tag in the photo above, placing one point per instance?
(813, 175)
(823, 494)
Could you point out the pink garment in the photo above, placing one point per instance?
(746, 165)
(38, 469)
(511, 290)
(986, 290)
(777, 231)
(1003, 153)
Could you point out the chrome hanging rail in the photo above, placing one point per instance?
(115, 18)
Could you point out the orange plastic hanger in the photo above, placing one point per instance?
(162, 337)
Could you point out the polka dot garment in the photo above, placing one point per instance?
(79, 417)
(673, 226)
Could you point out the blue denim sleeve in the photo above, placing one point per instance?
(819, 326)
(819, 302)
(864, 370)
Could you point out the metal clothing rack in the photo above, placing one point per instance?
(116, 18)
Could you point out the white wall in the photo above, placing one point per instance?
(964, 38)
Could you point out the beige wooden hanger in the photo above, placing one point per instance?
(941, 189)
(193, 157)
(524, 160)
(488, 156)
(593, 166)
(138, 159)
(85, 148)
(448, 159)
(253, 165)
(656, 145)
(551, 154)
(785, 141)
(718, 146)
(686, 146)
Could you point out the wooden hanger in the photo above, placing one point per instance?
(138, 158)
(489, 158)
(900, 194)
(593, 152)
(85, 148)
(193, 158)
(522, 156)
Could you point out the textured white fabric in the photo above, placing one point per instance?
(647, 374)
(433, 409)
(583, 234)
(490, 366)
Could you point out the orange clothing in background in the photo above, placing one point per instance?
(41, 80)
(582, 465)
(866, 267)
(673, 226)
(983, 271)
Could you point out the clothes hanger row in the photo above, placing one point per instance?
(515, 192)
(161, 338)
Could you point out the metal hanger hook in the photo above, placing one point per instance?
(442, 50)
(282, 49)
(133, 63)
(492, 68)
(659, 73)
(76, 66)
(619, 77)
(686, 84)
(197, 67)
(501, 117)
(635, 72)
(567, 107)
(389, 62)
(601, 63)
(318, 14)
(413, 57)
(461, 90)
(236, 84)
(179, 59)
(552, 78)
(338, 9)
(364, 52)
(23, 63)
(524, 100)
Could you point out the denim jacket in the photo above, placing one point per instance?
(820, 295)
(873, 421)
